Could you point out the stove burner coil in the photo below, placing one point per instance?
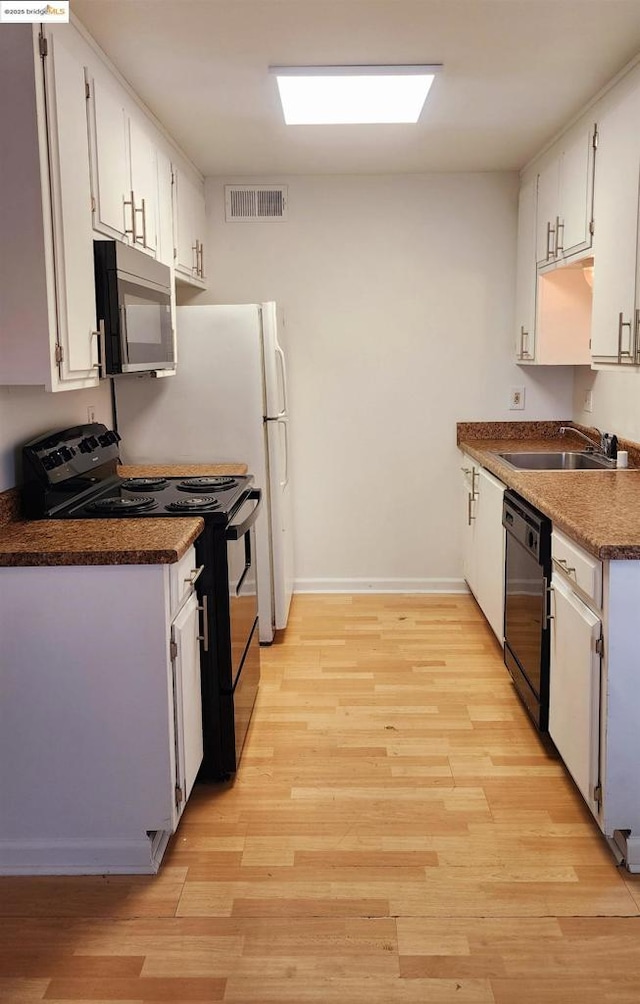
(145, 484)
(197, 502)
(122, 505)
(206, 484)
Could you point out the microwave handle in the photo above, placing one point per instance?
(237, 530)
(124, 340)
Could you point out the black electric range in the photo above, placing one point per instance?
(72, 474)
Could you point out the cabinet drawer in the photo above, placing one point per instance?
(580, 567)
(182, 576)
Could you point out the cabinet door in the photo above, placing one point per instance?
(574, 688)
(576, 192)
(548, 189)
(489, 550)
(468, 480)
(187, 696)
(110, 167)
(189, 216)
(526, 274)
(71, 208)
(616, 236)
(165, 214)
(144, 185)
(565, 194)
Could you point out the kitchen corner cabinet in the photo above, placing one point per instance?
(102, 712)
(594, 704)
(565, 197)
(616, 281)
(47, 300)
(484, 546)
(189, 228)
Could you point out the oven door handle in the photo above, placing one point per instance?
(237, 530)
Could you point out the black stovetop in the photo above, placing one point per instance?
(213, 497)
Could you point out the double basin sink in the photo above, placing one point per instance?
(557, 461)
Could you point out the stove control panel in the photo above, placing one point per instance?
(62, 463)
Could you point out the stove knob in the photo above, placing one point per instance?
(91, 442)
(66, 453)
(54, 459)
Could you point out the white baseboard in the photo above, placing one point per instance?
(82, 857)
(380, 586)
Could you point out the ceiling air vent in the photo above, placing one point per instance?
(255, 203)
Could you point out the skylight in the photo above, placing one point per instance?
(351, 95)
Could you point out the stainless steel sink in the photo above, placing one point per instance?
(556, 461)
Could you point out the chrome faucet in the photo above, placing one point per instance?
(606, 444)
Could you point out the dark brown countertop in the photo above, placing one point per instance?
(598, 509)
(103, 541)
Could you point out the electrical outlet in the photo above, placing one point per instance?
(91, 413)
(516, 399)
(588, 400)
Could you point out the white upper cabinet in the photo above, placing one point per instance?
(526, 273)
(189, 227)
(47, 300)
(565, 196)
(124, 169)
(144, 186)
(616, 290)
(110, 162)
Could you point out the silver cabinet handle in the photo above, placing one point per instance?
(559, 227)
(194, 248)
(195, 574)
(474, 474)
(524, 340)
(141, 238)
(131, 202)
(201, 256)
(550, 232)
(470, 516)
(204, 610)
(628, 352)
(564, 565)
(546, 612)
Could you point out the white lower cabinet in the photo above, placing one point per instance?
(574, 688)
(483, 560)
(594, 702)
(100, 719)
(185, 657)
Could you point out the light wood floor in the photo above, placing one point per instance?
(397, 833)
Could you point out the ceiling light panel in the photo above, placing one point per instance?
(352, 95)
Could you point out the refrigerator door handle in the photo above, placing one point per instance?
(285, 423)
(283, 373)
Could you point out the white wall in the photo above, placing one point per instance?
(398, 299)
(26, 412)
(616, 401)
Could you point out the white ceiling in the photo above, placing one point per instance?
(514, 72)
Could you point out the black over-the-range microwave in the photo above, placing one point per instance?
(133, 307)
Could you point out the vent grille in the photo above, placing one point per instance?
(255, 203)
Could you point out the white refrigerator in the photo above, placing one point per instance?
(227, 402)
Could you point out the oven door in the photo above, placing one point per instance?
(243, 593)
(239, 695)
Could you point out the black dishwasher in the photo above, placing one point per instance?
(526, 607)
